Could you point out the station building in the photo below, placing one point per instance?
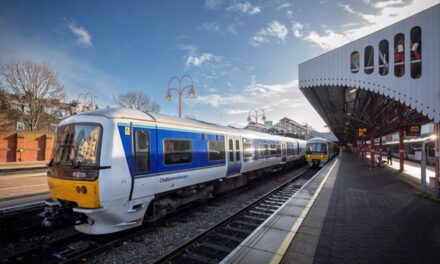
(383, 83)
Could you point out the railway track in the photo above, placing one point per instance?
(74, 246)
(217, 242)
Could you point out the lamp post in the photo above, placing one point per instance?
(256, 115)
(191, 92)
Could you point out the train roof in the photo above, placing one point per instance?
(126, 113)
(318, 139)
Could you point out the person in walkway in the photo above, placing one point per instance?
(389, 156)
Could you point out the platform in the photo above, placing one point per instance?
(23, 189)
(359, 216)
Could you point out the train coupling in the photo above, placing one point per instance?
(55, 213)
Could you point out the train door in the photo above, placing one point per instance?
(234, 155)
(144, 149)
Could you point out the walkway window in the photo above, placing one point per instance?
(384, 57)
(354, 62)
(369, 60)
(399, 55)
(416, 52)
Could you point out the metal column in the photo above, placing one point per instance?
(437, 159)
(372, 158)
(401, 145)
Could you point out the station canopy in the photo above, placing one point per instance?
(382, 81)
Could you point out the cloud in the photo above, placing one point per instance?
(210, 26)
(244, 7)
(273, 30)
(216, 100)
(82, 35)
(381, 5)
(199, 60)
(327, 41)
(284, 6)
(213, 4)
(385, 14)
(237, 111)
(296, 29)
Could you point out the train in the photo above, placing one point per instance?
(118, 168)
(411, 146)
(320, 151)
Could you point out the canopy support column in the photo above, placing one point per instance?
(437, 159)
(372, 157)
(401, 136)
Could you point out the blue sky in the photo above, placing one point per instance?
(241, 54)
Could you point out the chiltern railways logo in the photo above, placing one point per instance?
(175, 178)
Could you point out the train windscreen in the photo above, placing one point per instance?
(316, 147)
(76, 145)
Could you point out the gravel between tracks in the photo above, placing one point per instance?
(172, 232)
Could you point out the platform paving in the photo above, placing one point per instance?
(367, 216)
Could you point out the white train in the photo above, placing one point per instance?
(119, 168)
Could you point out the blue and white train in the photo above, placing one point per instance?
(119, 168)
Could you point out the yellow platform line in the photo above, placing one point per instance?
(283, 248)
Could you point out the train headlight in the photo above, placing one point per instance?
(84, 189)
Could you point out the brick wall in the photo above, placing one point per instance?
(25, 146)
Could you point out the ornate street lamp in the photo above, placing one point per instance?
(256, 115)
(191, 91)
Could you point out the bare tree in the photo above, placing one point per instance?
(5, 99)
(137, 100)
(35, 86)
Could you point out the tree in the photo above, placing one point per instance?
(35, 87)
(5, 99)
(137, 100)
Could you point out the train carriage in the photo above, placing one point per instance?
(118, 168)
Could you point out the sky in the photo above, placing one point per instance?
(241, 54)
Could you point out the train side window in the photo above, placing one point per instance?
(247, 150)
(264, 150)
(278, 149)
(231, 150)
(399, 55)
(416, 52)
(177, 151)
(354, 62)
(237, 150)
(384, 57)
(216, 150)
(142, 151)
(273, 149)
(369, 60)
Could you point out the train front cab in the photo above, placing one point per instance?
(86, 174)
(317, 153)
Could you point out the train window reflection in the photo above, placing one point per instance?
(416, 52)
(316, 147)
(369, 60)
(177, 151)
(354, 62)
(399, 55)
(216, 150)
(142, 152)
(384, 57)
(247, 150)
(237, 150)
